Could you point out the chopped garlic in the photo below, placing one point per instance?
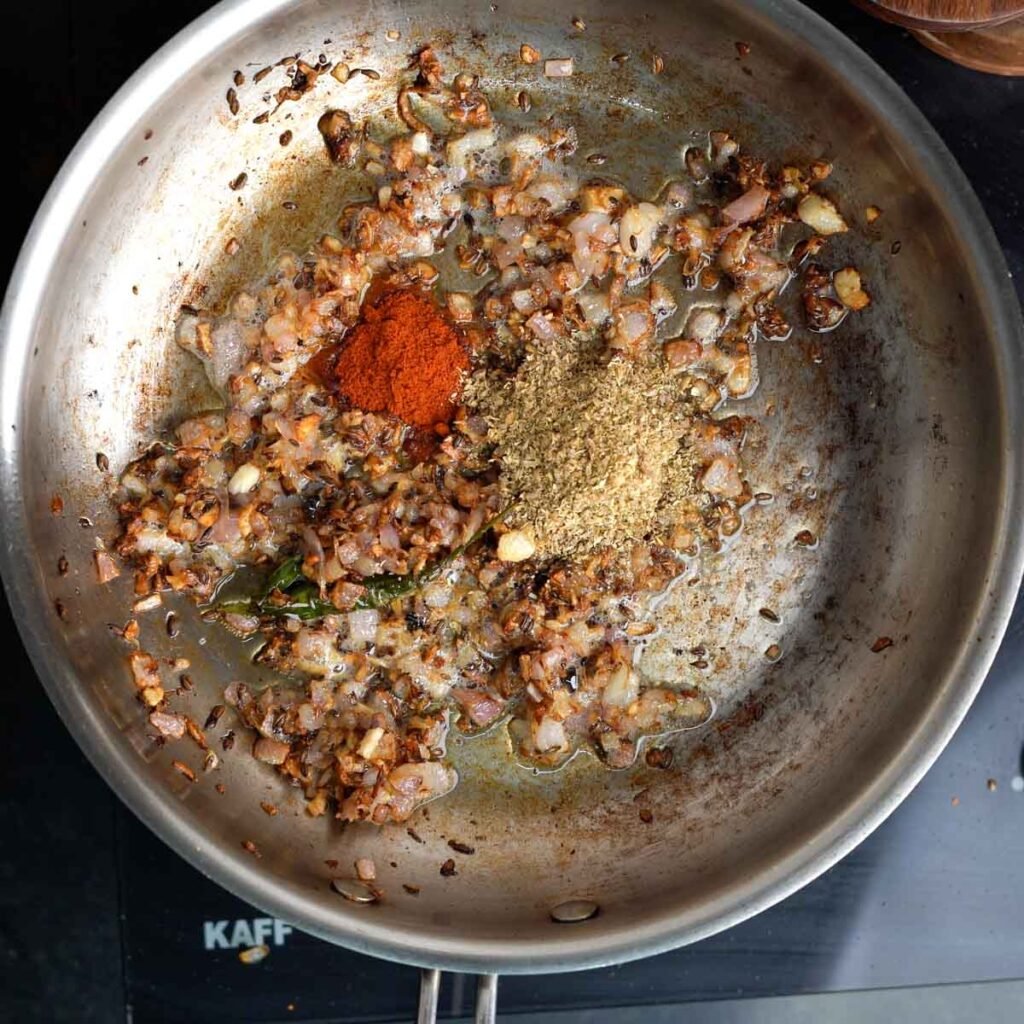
(850, 289)
(820, 213)
(460, 150)
(245, 478)
(370, 742)
(515, 546)
(152, 695)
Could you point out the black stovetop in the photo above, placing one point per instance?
(87, 932)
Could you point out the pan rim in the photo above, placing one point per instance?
(566, 949)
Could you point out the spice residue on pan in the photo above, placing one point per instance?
(441, 506)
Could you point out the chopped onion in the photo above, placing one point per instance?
(425, 780)
(704, 323)
(555, 190)
(236, 694)
(511, 228)
(525, 148)
(722, 478)
(461, 149)
(592, 234)
(315, 549)
(135, 486)
(634, 325)
(171, 726)
(637, 229)
(748, 206)
(622, 687)
(595, 305)
(310, 718)
(733, 254)
(437, 595)
(549, 735)
(241, 625)
(682, 353)
(460, 306)
(225, 530)
(315, 651)
(362, 625)
(723, 147)
(389, 537)
(558, 67)
(154, 540)
(524, 300)
(106, 566)
(509, 274)
(145, 670)
(678, 195)
(544, 328)
(602, 198)
(506, 253)
(270, 751)
(147, 603)
(481, 707)
(663, 302)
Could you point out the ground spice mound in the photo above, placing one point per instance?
(591, 451)
(404, 358)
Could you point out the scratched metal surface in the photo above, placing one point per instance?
(900, 426)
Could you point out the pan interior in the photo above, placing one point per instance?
(883, 439)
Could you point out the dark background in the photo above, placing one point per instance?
(935, 895)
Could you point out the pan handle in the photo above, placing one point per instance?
(430, 989)
(486, 998)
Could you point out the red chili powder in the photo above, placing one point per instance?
(404, 358)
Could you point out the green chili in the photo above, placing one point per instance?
(383, 588)
(302, 597)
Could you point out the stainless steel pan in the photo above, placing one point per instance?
(896, 441)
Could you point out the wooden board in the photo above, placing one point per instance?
(945, 15)
(987, 35)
